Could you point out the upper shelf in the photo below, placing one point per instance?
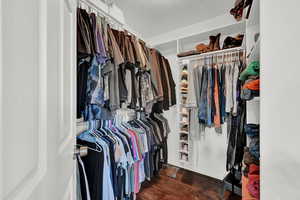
(189, 42)
(211, 53)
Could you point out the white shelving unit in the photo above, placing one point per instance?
(253, 51)
(183, 152)
(188, 43)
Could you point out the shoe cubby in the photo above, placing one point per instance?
(184, 115)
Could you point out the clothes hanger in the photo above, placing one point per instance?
(97, 150)
(90, 132)
(108, 131)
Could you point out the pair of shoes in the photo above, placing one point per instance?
(184, 112)
(184, 147)
(184, 89)
(184, 120)
(231, 42)
(184, 128)
(214, 44)
(183, 100)
(184, 73)
(184, 137)
(184, 157)
(184, 83)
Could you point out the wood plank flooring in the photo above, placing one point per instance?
(186, 186)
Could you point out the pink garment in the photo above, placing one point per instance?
(134, 144)
(253, 185)
(136, 177)
(140, 156)
(136, 164)
(245, 192)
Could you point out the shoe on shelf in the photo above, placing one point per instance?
(238, 10)
(202, 48)
(184, 83)
(184, 111)
(184, 120)
(184, 89)
(217, 42)
(183, 100)
(184, 73)
(232, 42)
(185, 147)
(184, 157)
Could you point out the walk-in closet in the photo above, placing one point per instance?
(149, 100)
(154, 108)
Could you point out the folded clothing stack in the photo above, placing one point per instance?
(251, 179)
(250, 76)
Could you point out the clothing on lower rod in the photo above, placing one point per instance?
(131, 152)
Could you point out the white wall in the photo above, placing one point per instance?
(280, 134)
(204, 26)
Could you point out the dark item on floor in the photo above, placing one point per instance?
(186, 186)
(232, 42)
(232, 182)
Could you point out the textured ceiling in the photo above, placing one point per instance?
(153, 17)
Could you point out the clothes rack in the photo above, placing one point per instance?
(106, 14)
(102, 12)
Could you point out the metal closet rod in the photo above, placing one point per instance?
(106, 14)
(213, 53)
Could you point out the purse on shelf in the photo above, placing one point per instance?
(239, 7)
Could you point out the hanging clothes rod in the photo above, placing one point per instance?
(106, 14)
(213, 53)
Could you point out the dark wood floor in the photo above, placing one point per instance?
(186, 186)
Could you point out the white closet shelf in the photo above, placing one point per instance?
(183, 161)
(255, 99)
(183, 151)
(195, 57)
(184, 141)
(183, 132)
(184, 114)
(184, 123)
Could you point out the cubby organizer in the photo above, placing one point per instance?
(184, 116)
